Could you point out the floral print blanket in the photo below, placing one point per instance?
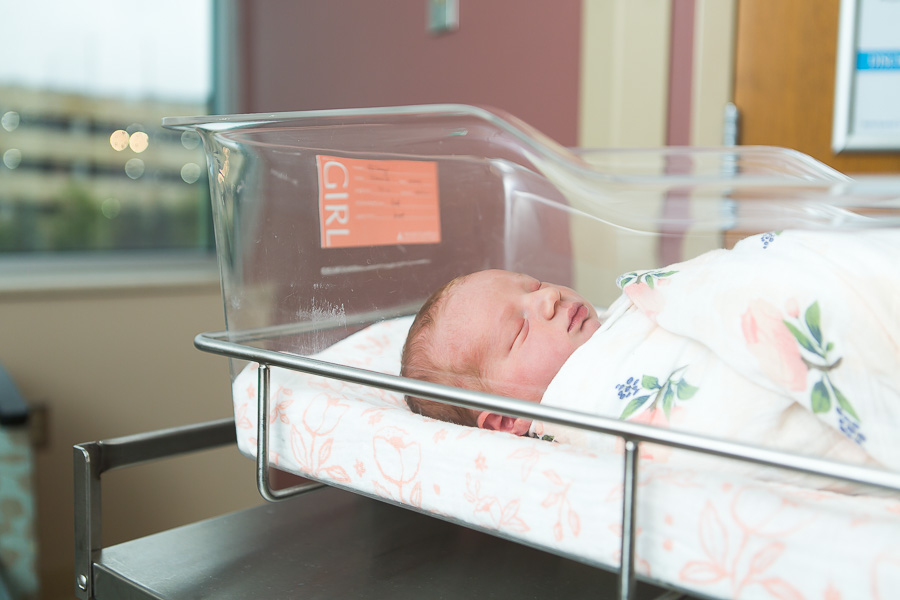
(791, 340)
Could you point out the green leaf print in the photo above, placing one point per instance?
(812, 322)
(844, 403)
(663, 395)
(633, 406)
(802, 339)
(650, 278)
(685, 390)
(819, 398)
(667, 400)
(824, 396)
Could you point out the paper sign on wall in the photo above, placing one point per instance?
(867, 83)
(366, 202)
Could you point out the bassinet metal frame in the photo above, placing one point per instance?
(95, 458)
(324, 544)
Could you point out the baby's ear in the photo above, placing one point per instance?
(495, 422)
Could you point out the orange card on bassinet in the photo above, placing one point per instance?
(364, 202)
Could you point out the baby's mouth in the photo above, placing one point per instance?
(577, 315)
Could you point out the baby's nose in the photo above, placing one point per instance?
(547, 299)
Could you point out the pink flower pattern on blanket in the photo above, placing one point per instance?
(657, 417)
(886, 575)
(277, 413)
(645, 298)
(398, 458)
(770, 341)
(241, 420)
(654, 401)
(500, 513)
(640, 287)
(744, 556)
(565, 512)
(796, 353)
(529, 458)
(311, 444)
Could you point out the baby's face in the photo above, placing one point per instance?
(523, 330)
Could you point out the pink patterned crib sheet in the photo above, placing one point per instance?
(698, 529)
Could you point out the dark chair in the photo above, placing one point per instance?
(18, 544)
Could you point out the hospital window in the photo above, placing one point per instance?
(84, 164)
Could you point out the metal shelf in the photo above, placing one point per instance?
(330, 543)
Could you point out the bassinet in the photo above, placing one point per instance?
(332, 226)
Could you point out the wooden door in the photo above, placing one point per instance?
(784, 81)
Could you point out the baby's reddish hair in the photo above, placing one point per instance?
(421, 359)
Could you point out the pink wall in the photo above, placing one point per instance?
(681, 73)
(518, 55)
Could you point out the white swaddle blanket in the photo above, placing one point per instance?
(791, 341)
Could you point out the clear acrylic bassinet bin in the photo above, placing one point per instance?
(327, 222)
(346, 216)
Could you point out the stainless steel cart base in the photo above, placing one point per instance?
(334, 544)
(325, 543)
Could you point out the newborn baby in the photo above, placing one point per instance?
(791, 340)
(499, 332)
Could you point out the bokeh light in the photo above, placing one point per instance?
(190, 139)
(12, 158)
(110, 208)
(139, 141)
(134, 168)
(119, 140)
(191, 172)
(10, 120)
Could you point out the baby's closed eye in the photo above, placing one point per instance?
(521, 334)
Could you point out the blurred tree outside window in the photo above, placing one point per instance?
(84, 164)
